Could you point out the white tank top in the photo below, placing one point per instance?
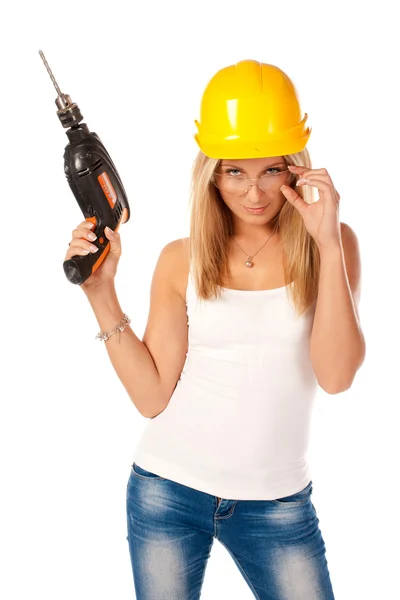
(237, 424)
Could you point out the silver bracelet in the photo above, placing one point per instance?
(103, 336)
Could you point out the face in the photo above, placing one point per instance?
(238, 200)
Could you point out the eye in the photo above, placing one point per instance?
(275, 170)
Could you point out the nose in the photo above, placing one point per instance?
(253, 193)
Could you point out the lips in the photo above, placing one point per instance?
(258, 210)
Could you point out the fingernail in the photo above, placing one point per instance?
(301, 181)
(283, 187)
(89, 225)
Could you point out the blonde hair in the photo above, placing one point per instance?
(211, 228)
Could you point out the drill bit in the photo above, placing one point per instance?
(50, 73)
(63, 101)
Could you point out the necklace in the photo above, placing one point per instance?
(249, 262)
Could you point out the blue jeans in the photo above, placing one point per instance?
(276, 544)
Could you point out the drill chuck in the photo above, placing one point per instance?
(68, 112)
(69, 115)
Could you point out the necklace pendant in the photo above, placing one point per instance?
(248, 262)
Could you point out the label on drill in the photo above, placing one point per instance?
(107, 188)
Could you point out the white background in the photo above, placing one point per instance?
(68, 428)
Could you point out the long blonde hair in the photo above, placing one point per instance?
(211, 227)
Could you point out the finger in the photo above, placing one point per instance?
(78, 246)
(321, 184)
(113, 236)
(124, 215)
(76, 251)
(87, 224)
(293, 197)
(297, 168)
(82, 232)
(303, 171)
(324, 188)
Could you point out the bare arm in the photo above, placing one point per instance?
(148, 369)
(337, 345)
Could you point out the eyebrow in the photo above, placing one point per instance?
(241, 168)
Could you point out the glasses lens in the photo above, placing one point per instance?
(272, 180)
(238, 183)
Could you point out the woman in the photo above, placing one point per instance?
(247, 317)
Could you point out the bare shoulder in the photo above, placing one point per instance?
(176, 255)
(177, 247)
(166, 332)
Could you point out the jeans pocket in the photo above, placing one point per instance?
(143, 474)
(296, 499)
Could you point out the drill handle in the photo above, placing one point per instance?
(79, 268)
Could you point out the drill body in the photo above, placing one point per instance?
(99, 192)
(94, 181)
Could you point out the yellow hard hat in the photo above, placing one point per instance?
(251, 110)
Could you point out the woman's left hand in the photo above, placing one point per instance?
(321, 218)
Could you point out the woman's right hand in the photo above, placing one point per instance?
(81, 245)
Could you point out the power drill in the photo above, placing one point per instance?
(94, 181)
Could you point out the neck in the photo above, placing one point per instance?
(252, 239)
(253, 232)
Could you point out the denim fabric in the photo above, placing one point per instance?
(277, 544)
